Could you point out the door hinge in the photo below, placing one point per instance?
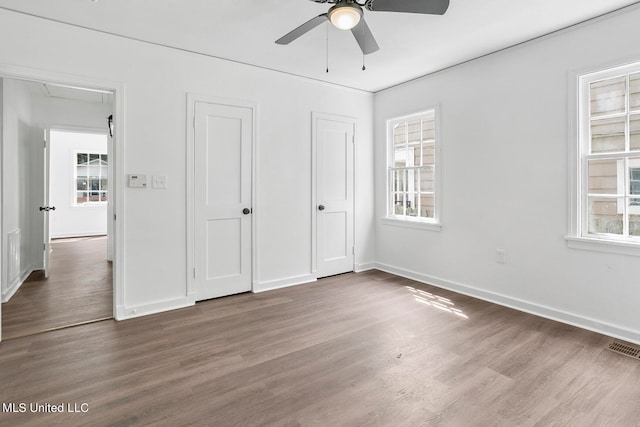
(114, 217)
(44, 143)
(44, 246)
(194, 273)
(353, 250)
(353, 139)
(194, 123)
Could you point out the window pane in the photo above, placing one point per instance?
(94, 184)
(103, 184)
(81, 184)
(103, 157)
(603, 176)
(634, 91)
(634, 220)
(425, 179)
(400, 157)
(607, 135)
(604, 215)
(93, 158)
(634, 132)
(608, 96)
(413, 128)
(81, 159)
(398, 203)
(399, 134)
(428, 130)
(94, 171)
(103, 196)
(81, 197)
(82, 171)
(411, 200)
(399, 180)
(428, 154)
(427, 206)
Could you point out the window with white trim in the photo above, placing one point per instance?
(609, 150)
(91, 185)
(413, 173)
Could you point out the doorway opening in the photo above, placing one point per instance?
(61, 274)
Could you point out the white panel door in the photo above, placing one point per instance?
(45, 208)
(334, 194)
(222, 223)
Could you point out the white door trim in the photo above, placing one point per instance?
(315, 116)
(192, 99)
(52, 77)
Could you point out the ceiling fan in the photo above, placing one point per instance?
(348, 15)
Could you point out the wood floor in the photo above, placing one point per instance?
(79, 289)
(367, 349)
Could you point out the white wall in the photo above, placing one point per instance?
(156, 81)
(70, 219)
(16, 149)
(504, 123)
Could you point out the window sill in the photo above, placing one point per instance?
(603, 245)
(420, 225)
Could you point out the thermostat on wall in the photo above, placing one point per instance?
(137, 181)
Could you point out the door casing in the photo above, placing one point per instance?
(117, 185)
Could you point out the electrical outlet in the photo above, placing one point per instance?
(501, 257)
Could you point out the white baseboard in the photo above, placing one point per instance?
(283, 283)
(13, 287)
(572, 319)
(129, 312)
(359, 268)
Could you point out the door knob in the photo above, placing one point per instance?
(321, 207)
(47, 208)
(246, 211)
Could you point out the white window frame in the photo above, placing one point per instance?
(579, 152)
(390, 218)
(74, 201)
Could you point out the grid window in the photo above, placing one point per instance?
(91, 185)
(412, 168)
(610, 154)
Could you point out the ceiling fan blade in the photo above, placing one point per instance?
(364, 37)
(431, 7)
(303, 29)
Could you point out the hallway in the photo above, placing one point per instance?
(78, 290)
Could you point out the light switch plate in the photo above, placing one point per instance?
(159, 181)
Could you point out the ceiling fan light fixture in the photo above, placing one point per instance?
(345, 15)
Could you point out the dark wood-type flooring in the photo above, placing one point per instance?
(367, 349)
(78, 290)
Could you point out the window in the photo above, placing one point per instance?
(413, 175)
(609, 155)
(91, 178)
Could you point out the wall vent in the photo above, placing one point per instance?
(625, 349)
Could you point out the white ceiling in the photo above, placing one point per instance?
(241, 30)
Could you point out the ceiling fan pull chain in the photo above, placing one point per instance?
(327, 26)
(365, 41)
